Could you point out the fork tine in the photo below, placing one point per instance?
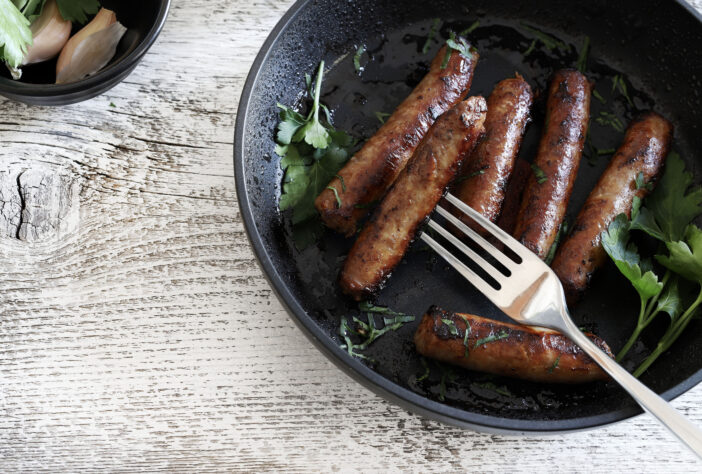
(467, 273)
(470, 253)
(477, 238)
(498, 233)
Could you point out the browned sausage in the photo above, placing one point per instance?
(560, 149)
(644, 150)
(489, 167)
(373, 169)
(513, 196)
(539, 355)
(386, 236)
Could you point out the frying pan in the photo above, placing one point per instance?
(653, 45)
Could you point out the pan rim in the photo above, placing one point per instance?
(358, 371)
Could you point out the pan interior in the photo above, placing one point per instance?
(627, 39)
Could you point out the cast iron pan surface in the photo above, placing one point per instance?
(663, 72)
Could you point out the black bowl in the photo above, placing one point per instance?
(628, 37)
(144, 20)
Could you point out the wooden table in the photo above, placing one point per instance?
(136, 329)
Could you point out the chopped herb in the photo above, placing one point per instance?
(357, 59)
(562, 231)
(582, 59)
(531, 48)
(470, 29)
(336, 195)
(381, 116)
(547, 40)
(598, 96)
(468, 176)
(112, 104)
(465, 338)
(491, 338)
(426, 369)
(476, 173)
(459, 44)
(343, 184)
(539, 174)
(453, 330)
(368, 332)
(502, 390)
(605, 151)
(555, 364)
(609, 119)
(432, 33)
(619, 84)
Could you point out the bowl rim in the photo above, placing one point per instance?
(384, 387)
(106, 74)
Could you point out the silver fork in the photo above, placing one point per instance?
(532, 294)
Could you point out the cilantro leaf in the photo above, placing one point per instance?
(670, 302)
(685, 258)
(77, 11)
(671, 207)
(615, 241)
(15, 35)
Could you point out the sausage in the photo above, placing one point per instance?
(373, 169)
(644, 150)
(513, 196)
(415, 194)
(489, 167)
(558, 158)
(524, 352)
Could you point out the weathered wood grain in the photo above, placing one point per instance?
(136, 329)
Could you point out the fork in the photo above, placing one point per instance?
(530, 293)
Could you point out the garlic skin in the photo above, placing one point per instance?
(50, 32)
(90, 49)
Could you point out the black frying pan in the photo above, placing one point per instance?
(655, 45)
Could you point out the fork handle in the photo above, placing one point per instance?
(680, 426)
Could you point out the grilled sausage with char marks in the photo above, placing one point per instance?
(644, 150)
(524, 352)
(557, 161)
(372, 170)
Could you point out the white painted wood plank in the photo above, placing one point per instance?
(143, 335)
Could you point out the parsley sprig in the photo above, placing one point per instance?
(667, 216)
(312, 152)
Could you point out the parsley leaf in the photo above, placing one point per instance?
(671, 207)
(77, 11)
(615, 241)
(311, 156)
(15, 35)
(685, 257)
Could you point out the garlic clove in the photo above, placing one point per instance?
(50, 32)
(102, 20)
(91, 54)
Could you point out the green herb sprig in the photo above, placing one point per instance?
(459, 44)
(312, 152)
(539, 174)
(667, 216)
